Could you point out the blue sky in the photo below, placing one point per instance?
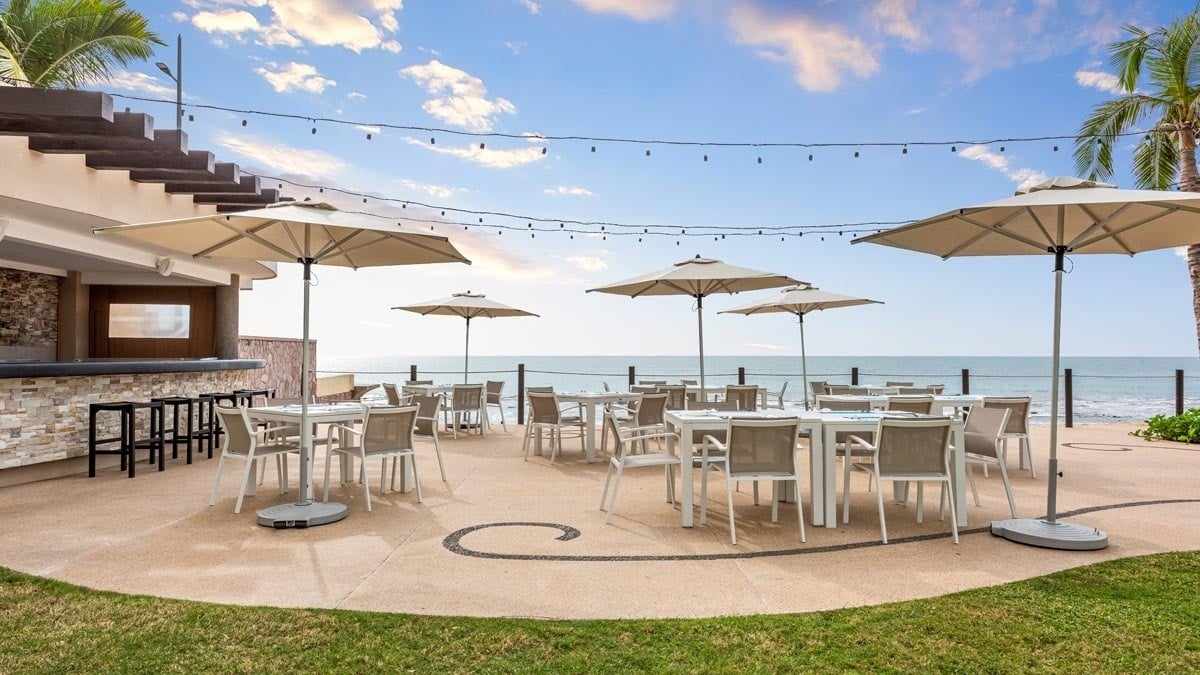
(714, 70)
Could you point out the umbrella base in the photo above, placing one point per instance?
(1057, 535)
(283, 516)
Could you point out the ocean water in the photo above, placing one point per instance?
(1105, 389)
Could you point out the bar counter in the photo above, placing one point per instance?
(74, 368)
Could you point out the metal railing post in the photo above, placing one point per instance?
(854, 377)
(1178, 392)
(632, 376)
(412, 373)
(741, 375)
(1068, 411)
(520, 393)
(966, 381)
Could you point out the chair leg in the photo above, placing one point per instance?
(845, 490)
(262, 473)
(729, 500)
(1012, 505)
(607, 478)
(882, 519)
(920, 501)
(971, 480)
(528, 435)
(612, 502)
(383, 474)
(438, 449)
(703, 492)
(755, 485)
(799, 507)
(1028, 456)
(942, 501)
(393, 484)
(328, 456)
(246, 475)
(954, 520)
(416, 478)
(362, 477)
(217, 483)
(774, 501)
(555, 443)
(503, 424)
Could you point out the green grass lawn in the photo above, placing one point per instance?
(1134, 615)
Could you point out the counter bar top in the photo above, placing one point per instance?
(85, 368)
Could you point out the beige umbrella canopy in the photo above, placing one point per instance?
(697, 278)
(308, 234)
(1060, 216)
(469, 306)
(800, 300)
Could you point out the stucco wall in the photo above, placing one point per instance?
(28, 309)
(283, 363)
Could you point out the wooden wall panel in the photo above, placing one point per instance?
(201, 342)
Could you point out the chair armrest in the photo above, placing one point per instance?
(711, 441)
(665, 434)
(339, 427)
(858, 441)
(645, 426)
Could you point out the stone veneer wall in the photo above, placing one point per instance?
(283, 363)
(28, 309)
(43, 419)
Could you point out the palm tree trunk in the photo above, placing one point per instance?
(1189, 181)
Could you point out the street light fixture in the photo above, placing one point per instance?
(177, 76)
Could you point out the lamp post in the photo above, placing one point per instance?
(177, 76)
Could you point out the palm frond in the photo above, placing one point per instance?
(1156, 161)
(1103, 128)
(1126, 57)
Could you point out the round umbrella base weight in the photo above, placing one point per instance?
(1046, 534)
(284, 516)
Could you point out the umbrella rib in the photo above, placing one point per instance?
(407, 239)
(965, 244)
(239, 234)
(1102, 224)
(335, 243)
(1010, 235)
(253, 236)
(301, 251)
(342, 250)
(1166, 212)
(682, 289)
(1041, 226)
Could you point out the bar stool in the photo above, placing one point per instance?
(95, 444)
(175, 403)
(218, 398)
(246, 396)
(205, 410)
(155, 440)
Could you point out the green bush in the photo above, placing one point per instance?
(1185, 427)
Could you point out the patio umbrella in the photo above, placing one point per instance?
(467, 305)
(308, 234)
(800, 300)
(698, 278)
(1060, 216)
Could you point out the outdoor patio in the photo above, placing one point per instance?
(155, 534)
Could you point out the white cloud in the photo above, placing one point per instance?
(570, 191)
(915, 111)
(431, 189)
(642, 10)
(489, 157)
(588, 263)
(179, 16)
(125, 80)
(532, 6)
(1024, 177)
(1095, 79)
(459, 97)
(367, 128)
(514, 47)
(282, 157)
(356, 96)
(762, 345)
(892, 17)
(353, 24)
(292, 76)
(820, 54)
(1181, 252)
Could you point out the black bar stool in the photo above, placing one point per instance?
(189, 406)
(246, 396)
(155, 437)
(206, 421)
(95, 445)
(218, 398)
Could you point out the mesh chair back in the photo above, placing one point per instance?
(937, 388)
(1018, 417)
(539, 390)
(650, 409)
(644, 389)
(543, 408)
(890, 383)
(418, 382)
(467, 396)
(392, 392)
(746, 395)
(428, 408)
(611, 427)
(912, 447)
(837, 405)
(983, 428)
(818, 387)
(837, 389)
(652, 383)
(687, 382)
(725, 405)
(762, 446)
(493, 391)
(909, 391)
(916, 404)
(386, 429)
(238, 434)
(858, 391)
(676, 395)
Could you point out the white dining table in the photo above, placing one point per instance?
(591, 402)
(879, 401)
(347, 413)
(822, 428)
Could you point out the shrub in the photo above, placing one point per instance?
(1184, 428)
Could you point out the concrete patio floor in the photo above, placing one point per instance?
(155, 534)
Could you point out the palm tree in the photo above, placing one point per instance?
(69, 43)
(1170, 107)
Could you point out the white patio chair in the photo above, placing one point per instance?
(818, 387)
(984, 437)
(910, 391)
(922, 405)
(778, 396)
(891, 383)
(746, 395)
(1018, 427)
(836, 389)
(393, 393)
(756, 450)
(677, 395)
(545, 414)
(244, 442)
(622, 458)
(909, 450)
(429, 408)
(494, 389)
(465, 400)
(645, 412)
(386, 433)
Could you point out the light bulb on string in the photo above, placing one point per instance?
(760, 160)
(432, 140)
(243, 122)
(647, 153)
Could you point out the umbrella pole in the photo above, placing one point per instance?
(803, 360)
(467, 355)
(700, 328)
(1049, 532)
